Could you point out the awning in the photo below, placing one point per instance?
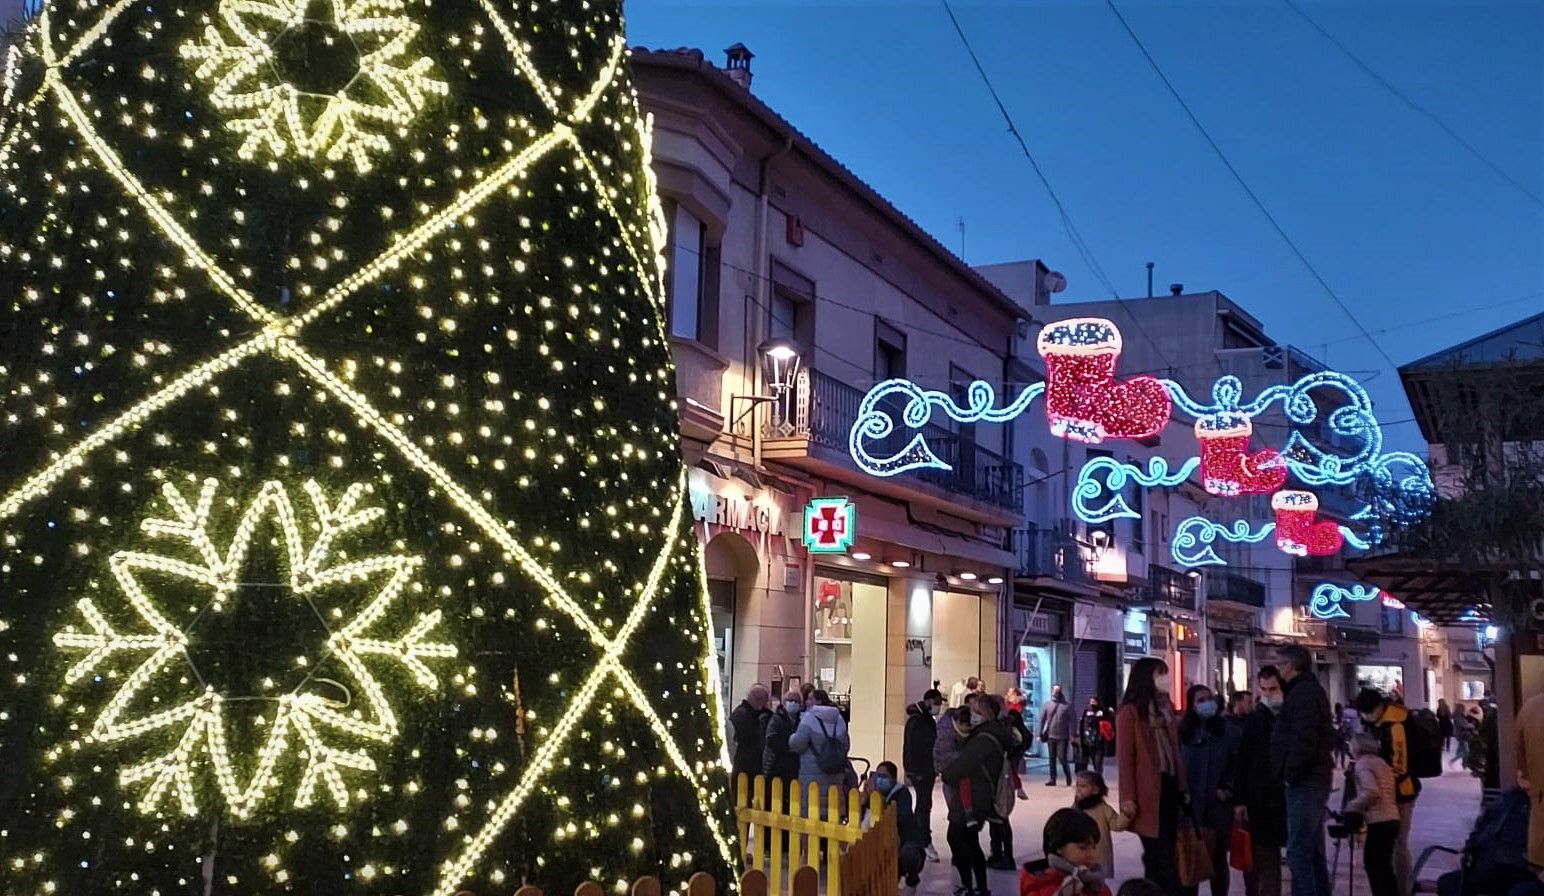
(1440, 594)
(873, 527)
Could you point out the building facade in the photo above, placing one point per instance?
(773, 244)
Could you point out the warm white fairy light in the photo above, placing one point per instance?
(238, 56)
(202, 715)
(313, 752)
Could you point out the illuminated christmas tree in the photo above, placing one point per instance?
(344, 531)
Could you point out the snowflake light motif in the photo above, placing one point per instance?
(360, 81)
(328, 738)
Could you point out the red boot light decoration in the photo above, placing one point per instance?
(1226, 466)
(1299, 531)
(1083, 401)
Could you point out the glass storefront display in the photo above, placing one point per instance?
(1037, 668)
(721, 598)
(1387, 680)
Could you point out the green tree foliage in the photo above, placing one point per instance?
(343, 539)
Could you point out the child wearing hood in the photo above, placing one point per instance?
(1071, 863)
(1089, 797)
(886, 782)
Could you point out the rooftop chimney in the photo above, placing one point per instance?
(738, 65)
(1176, 289)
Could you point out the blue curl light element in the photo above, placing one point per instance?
(1117, 475)
(1325, 601)
(1309, 463)
(1193, 539)
(875, 422)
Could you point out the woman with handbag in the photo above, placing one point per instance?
(1209, 749)
(1152, 775)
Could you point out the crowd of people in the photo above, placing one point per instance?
(1252, 771)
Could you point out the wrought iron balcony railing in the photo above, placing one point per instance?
(1053, 554)
(1172, 587)
(823, 409)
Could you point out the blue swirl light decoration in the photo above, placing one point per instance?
(1116, 476)
(1325, 601)
(1194, 537)
(874, 421)
(1395, 487)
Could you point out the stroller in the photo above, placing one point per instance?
(1494, 858)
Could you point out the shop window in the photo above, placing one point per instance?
(721, 598)
(1393, 621)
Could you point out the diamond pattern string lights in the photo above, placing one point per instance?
(1083, 400)
(302, 717)
(255, 58)
(466, 316)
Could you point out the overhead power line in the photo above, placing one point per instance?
(1072, 231)
(1253, 196)
(1405, 98)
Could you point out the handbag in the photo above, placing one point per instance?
(1191, 856)
(1241, 850)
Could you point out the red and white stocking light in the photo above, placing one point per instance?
(1083, 400)
(1299, 531)
(1227, 467)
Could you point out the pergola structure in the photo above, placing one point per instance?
(1449, 392)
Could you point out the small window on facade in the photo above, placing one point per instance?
(687, 254)
(785, 316)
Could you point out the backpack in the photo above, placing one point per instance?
(1423, 741)
(830, 755)
(1002, 797)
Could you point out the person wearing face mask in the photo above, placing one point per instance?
(917, 743)
(778, 760)
(1152, 776)
(1209, 749)
(886, 783)
(1262, 806)
(971, 789)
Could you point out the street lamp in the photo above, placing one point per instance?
(779, 370)
(779, 364)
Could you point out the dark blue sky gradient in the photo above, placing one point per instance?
(1418, 237)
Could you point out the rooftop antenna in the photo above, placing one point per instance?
(1149, 279)
(960, 221)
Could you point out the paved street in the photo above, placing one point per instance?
(1444, 814)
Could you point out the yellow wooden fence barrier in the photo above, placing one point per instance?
(784, 825)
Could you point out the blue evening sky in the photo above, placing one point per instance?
(1425, 244)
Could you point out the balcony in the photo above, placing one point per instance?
(1234, 588)
(809, 428)
(1172, 587)
(1050, 554)
(699, 388)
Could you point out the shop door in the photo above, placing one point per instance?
(721, 593)
(1085, 676)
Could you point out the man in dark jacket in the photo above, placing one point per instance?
(917, 758)
(1056, 726)
(745, 728)
(1262, 798)
(778, 760)
(973, 774)
(1302, 754)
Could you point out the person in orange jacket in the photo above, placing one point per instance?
(1071, 864)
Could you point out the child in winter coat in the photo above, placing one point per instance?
(1375, 802)
(1089, 797)
(1071, 863)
